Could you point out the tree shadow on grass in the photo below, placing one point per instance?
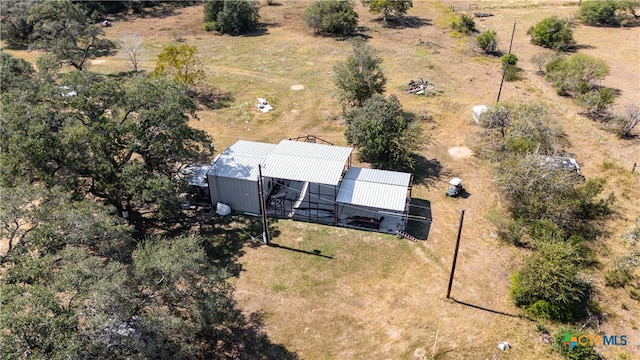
(160, 10)
(225, 241)
(210, 97)
(404, 22)
(427, 172)
(247, 340)
(262, 29)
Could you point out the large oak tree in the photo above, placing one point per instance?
(121, 140)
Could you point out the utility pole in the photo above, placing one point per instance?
(263, 208)
(504, 70)
(455, 255)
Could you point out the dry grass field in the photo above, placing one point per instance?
(373, 296)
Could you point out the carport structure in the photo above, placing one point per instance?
(306, 178)
(374, 199)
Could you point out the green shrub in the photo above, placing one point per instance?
(512, 73)
(601, 12)
(618, 277)
(596, 101)
(521, 145)
(211, 10)
(464, 24)
(607, 12)
(553, 33)
(548, 285)
(511, 232)
(545, 231)
(509, 59)
(237, 17)
(331, 17)
(488, 41)
(576, 74)
(563, 338)
(210, 26)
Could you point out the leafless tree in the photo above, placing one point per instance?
(541, 59)
(626, 123)
(131, 50)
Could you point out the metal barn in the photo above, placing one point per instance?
(310, 182)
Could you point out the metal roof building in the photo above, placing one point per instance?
(233, 177)
(241, 160)
(312, 182)
(308, 162)
(380, 189)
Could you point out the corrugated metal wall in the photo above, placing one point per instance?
(241, 195)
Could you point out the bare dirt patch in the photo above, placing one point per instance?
(460, 152)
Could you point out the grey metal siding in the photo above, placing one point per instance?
(241, 195)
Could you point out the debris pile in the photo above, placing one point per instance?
(421, 87)
(263, 105)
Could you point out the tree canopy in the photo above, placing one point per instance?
(180, 63)
(15, 26)
(121, 140)
(15, 72)
(332, 17)
(62, 28)
(360, 76)
(549, 285)
(232, 17)
(538, 190)
(76, 285)
(388, 7)
(553, 33)
(383, 133)
(608, 12)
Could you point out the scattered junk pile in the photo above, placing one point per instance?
(263, 105)
(420, 87)
(559, 162)
(431, 45)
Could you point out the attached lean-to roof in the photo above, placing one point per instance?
(196, 174)
(241, 160)
(309, 162)
(379, 189)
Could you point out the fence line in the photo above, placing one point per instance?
(457, 5)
